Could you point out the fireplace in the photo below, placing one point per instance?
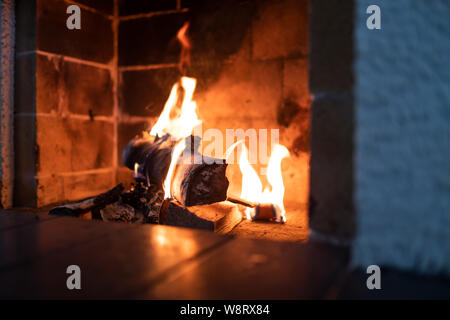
(298, 126)
(82, 95)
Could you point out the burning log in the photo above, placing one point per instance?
(196, 179)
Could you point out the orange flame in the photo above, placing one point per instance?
(185, 119)
(252, 186)
(185, 56)
(176, 153)
(276, 194)
(178, 121)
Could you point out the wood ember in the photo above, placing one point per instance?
(145, 199)
(146, 204)
(218, 217)
(139, 204)
(196, 180)
(119, 211)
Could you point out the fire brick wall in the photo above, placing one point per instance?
(402, 142)
(65, 105)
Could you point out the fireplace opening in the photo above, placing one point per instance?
(123, 98)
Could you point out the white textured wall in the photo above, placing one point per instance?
(402, 139)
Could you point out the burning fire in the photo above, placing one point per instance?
(252, 186)
(179, 118)
(178, 122)
(179, 115)
(276, 195)
(185, 57)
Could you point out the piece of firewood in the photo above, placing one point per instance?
(219, 217)
(196, 179)
(89, 205)
(152, 154)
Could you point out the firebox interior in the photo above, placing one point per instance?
(97, 87)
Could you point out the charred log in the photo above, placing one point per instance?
(91, 204)
(196, 179)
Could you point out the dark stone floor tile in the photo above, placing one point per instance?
(14, 219)
(130, 261)
(124, 261)
(256, 269)
(23, 245)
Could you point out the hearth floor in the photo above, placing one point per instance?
(160, 262)
(296, 228)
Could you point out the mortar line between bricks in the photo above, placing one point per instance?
(226, 62)
(76, 173)
(65, 116)
(281, 58)
(68, 59)
(152, 14)
(147, 67)
(125, 118)
(90, 9)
